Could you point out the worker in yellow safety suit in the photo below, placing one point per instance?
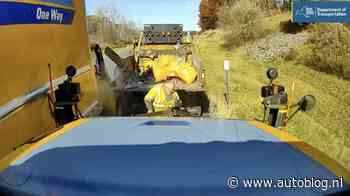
(162, 97)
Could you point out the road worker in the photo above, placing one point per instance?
(100, 65)
(162, 97)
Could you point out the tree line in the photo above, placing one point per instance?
(108, 25)
(208, 10)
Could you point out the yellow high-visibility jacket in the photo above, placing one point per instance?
(160, 100)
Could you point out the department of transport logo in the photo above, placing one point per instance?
(307, 12)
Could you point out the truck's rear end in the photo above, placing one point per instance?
(159, 42)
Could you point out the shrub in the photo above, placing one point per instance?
(241, 21)
(209, 10)
(265, 4)
(328, 50)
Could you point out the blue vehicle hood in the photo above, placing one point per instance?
(149, 156)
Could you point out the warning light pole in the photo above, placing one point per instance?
(227, 83)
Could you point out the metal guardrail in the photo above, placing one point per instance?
(18, 102)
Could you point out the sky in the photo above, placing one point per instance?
(154, 11)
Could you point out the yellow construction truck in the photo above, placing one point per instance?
(160, 55)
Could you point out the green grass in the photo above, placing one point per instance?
(326, 127)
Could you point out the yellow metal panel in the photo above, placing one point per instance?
(26, 51)
(34, 118)
(29, 121)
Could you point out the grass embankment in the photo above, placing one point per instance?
(326, 127)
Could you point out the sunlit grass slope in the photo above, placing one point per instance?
(326, 127)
